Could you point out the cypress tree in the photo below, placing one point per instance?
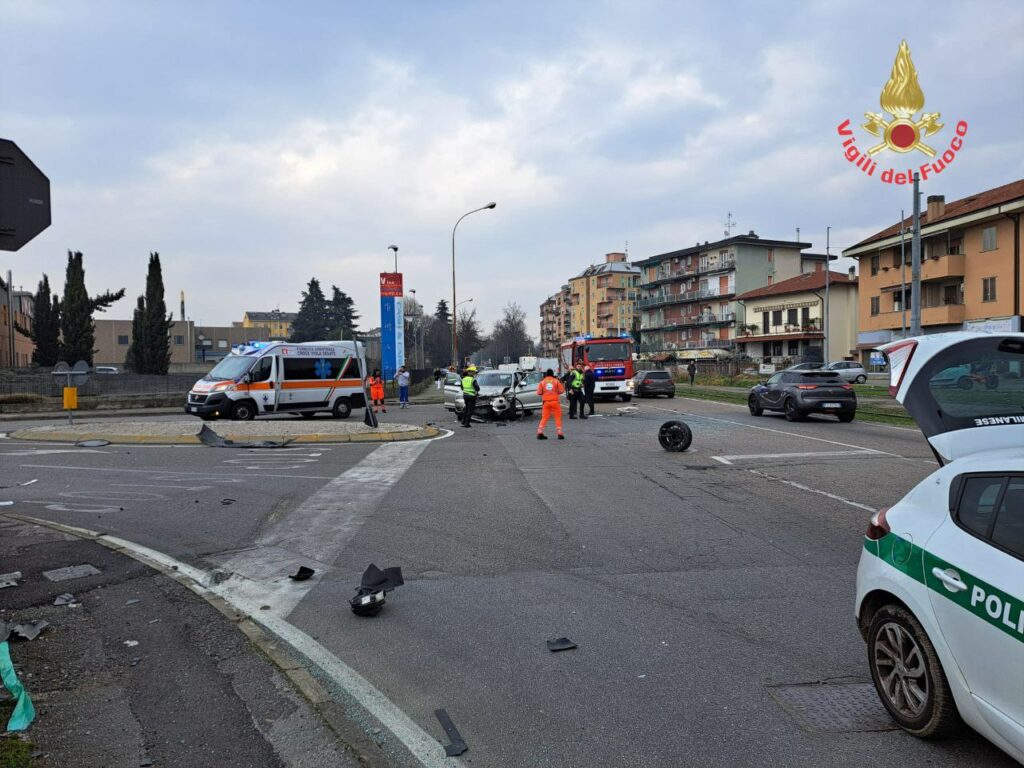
(313, 321)
(77, 333)
(45, 330)
(156, 323)
(134, 359)
(343, 317)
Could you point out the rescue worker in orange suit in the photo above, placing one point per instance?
(549, 390)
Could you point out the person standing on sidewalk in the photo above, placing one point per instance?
(470, 389)
(402, 379)
(575, 390)
(438, 379)
(692, 370)
(589, 383)
(375, 384)
(550, 389)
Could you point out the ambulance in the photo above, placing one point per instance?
(262, 378)
(940, 585)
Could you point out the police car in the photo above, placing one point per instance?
(940, 585)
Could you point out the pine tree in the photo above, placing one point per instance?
(134, 359)
(77, 333)
(45, 331)
(443, 314)
(313, 322)
(342, 315)
(156, 322)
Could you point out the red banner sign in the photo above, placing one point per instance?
(391, 284)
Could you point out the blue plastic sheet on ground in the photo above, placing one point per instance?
(24, 712)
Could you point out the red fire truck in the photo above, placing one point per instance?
(612, 361)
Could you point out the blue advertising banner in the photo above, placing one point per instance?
(392, 324)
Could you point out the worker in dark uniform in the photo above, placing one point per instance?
(470, 389)
(574, 391)
(589, 383)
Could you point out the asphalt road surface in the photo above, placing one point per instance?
(703, 589)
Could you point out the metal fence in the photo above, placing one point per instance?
(100, 384)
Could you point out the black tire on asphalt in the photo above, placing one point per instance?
(675, 436)
(626, 398)
(307, 414)
(342, 408)
(671, 395)
(939, 716)
(515, 410)
(846, 418)
(790, 410)
(753, 406)
(243, 410)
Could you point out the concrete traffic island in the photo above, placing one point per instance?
(186, 431)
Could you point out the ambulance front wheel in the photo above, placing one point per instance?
(244, 410)
(342, 408)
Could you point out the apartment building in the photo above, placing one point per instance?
(603, 298)
(555, 321)
(189, 343)
(971, 275)
(23, 303)
(688, 297)
(784, 322)
(277, 323)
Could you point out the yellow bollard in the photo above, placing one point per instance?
(70, 398)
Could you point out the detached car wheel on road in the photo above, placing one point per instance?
(940, 583)
(798, 393)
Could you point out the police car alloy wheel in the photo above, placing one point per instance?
(908, 676)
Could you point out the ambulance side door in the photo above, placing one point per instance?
(974, 568)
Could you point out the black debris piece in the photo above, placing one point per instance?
(561, 644)
(227, 502)
(373, 588)
(211, 439)
(65, 599)
(458, 744)
(302, 574)
(91, 443)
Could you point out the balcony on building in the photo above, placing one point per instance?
(782, 332)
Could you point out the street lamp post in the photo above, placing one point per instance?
(455, 341)
(395, 249)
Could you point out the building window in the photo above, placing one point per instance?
(988, 239)
(988, 286)
(895, 258)
(805, 315)
(791, 317)
(179, 341)
(954, 293)
(771, 255)
(874, 265)
(874, 305)
(122, 341)
(764, 323)
(794, 348)
(777, 348)
(777, 319)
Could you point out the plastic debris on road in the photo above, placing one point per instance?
(71, 572)
(24, 711)
(28, 630)
(458, 744)
(373, 589)
(9, 579)
(211, 439)
(302, 574)
(65, 599)
(19, 485)
(561, 644)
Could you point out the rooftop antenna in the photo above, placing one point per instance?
(627, 249)
(729, 224)
(798, 234)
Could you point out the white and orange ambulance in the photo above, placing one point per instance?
(277, 377)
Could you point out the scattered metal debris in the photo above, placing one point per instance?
(19, 485)
(65, 599)
(28, 630)
(133, 601)
(627, 410)
(131, 643)
(91, 443)
(71, 572)
(561, 644)
(227, 502)
(458, 744)
(302, 574)
(373, 588)
(210, 438)
(9, 579)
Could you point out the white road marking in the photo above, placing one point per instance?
(209, 475)
(316, 531)
(803, 487)
(46, 451)
(798, 435)
(809, 454)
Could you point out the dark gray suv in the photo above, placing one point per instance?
(653, 383)
(798, 393)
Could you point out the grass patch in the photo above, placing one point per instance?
(22, 398)
(15, 752)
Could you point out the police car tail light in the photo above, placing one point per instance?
(878, 527)
(899, 357)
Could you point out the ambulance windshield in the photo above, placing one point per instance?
(231, 367)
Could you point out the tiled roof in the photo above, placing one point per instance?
(996, 196)
(809, 281)
(285, 317)
(615, 266)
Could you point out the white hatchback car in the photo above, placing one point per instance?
(940, 585)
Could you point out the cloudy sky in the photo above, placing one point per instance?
(258, 144)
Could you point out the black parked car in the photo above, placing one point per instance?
(798, 393)
(653, 383)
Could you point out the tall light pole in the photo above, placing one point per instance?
(903, 278)
(395, 249)
(455, 341)
(828, 275)
(915, 262)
